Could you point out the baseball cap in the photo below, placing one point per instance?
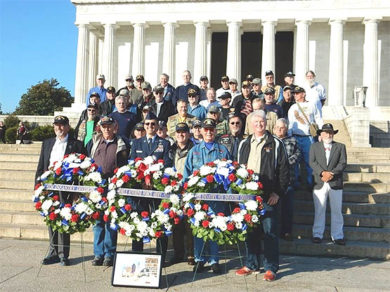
(124, 92)
(129, 77)
(225, 95)
(269, 90)
(213, 109)
(298, 89)
(182, 127)
(196, 123)
(106, 120)
(245, 84)
(95, 94)
(269, 72)
(63, 120)
(209, 123)
(140, 77)
(224, 78)
(111, 89)
(289, 74)
(204, 77)
(233, 80)
(249, 77)
(192, 92)
(139, 126)
(146, 85)
(100, 76)
(158, 88)
(256, 81)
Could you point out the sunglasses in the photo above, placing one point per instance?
(159, 93)
(234, 123)
(150, 124)
(92, 110)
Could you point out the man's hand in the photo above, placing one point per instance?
(273, 199)
(327, 176)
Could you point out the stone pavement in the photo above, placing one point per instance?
(20, 264)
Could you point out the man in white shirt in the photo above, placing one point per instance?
(210, 99)
(233, 89)
(225, 86)
(54, 149)
(315, 92)
(300, 116)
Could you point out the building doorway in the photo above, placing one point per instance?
(251, 52)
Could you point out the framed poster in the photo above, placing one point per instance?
(133, 269)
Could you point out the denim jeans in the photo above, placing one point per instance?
(287, 210)
(271, 243)
(304, 144)
(211, 248)
(104, 239)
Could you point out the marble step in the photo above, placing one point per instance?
(367, 187)
(348, 208)
(367, 177)
(22, 175)
(19, 157)
(16, 194)
(353, 249)
(368, 167)
(353, 220)
(350, 233)
(16, 165)
(18, 184)
(17, 205)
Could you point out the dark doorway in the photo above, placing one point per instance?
(251, 52)
(218, 58)
(284, 53)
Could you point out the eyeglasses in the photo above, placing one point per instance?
(150, 124)
(234, 123)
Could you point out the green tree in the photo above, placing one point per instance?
(1, 111)
(43, 99)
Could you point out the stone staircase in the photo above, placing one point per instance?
(366, 205)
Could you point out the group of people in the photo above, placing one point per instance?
(265, 127)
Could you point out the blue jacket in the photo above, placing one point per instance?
(200, 155)
(199, 111)
(169, 92)
(102, 93)
(181, 92)
(161, 149)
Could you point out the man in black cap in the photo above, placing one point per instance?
(249, 78)
(224, 101)
(288, 82)
(270, 82)
(109, 152)
(108, 106)
(139, 79)
(182, 90)
(153, 145)
(233, 139)
(224, 86)
(243, 103)
(139, 131)
(54, 149)
(180, 150)
(233, 89)
(204, 85)
(328, 160)
(94, 99)
(162, 108)
(148, 97)
(287, 100)
(270, 105)
(207, 151)
(162, 132)
(221, 125)
(194, 108)
(134, 94)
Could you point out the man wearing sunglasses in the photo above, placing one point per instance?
(162, 108)
(232, 140)
(152, 145)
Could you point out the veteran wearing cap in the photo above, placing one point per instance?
(182, 116)
(139, 79)
(196, 135)
(270, 82)
(94, 99)
(300, 116)
(180, 151)
(224, 101)
(108, 106)
(233, 85)
(234, 137)
(256, 88)
(328, 160)
(152, 145)
(224, 86)
(270, 105)
(207, 151)
(243, 102)
(100, 79)
(204, 85)
(287, 100)
(54, 149)
(147, 95)
(221, 125)
(194, 108)
(162, 132)
(161, 107)
(134, 94)
(109, 152)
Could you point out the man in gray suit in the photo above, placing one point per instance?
(328, 160)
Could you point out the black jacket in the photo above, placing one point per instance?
(166, 110)
(274, 169)
(73, 146)
(106, 107)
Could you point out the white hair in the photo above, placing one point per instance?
(283, 120)
(259, 113)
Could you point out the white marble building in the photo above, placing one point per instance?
(346, 42)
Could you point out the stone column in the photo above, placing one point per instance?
(81, 82)
(336, 70)
(93, 59)
(302, 50)
(138, 48)
(200, 60)
(233, 63)
(370, 69)
(108, 54)
(268, 57)
(169, 50)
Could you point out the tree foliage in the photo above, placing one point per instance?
(44, 98)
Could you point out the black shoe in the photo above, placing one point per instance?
(287, 237)
(216, 268)
(175, 260)
(199, 267)
(191, 261)
(97, 261)
(108, 262)
(340, 241)
(64, 262)
(316, 240)
(50, 260)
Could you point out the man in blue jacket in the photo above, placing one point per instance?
(207, 151)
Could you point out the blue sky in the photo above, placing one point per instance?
(38, 40)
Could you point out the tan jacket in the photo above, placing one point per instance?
(175, 119)
(271, 121)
